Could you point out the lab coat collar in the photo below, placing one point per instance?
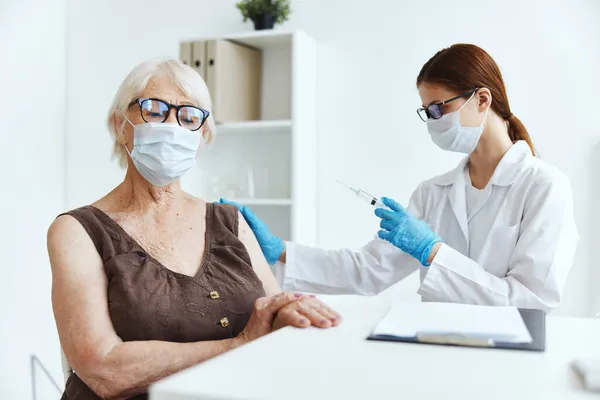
(505, 174)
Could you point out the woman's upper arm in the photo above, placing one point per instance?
(259, 263)
(79, 295)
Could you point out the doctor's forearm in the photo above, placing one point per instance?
(366, 271)
(282, 256)
(454, 277)
(434, 251)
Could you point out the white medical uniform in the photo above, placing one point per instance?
(511, 243)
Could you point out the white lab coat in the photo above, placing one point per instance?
(522, 259)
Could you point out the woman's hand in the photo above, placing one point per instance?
(264, 313)
(305, 312)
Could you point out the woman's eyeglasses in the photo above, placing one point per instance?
(434, 111)
(157, 110)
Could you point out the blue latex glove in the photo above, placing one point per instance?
(271, 246)
(404, 231)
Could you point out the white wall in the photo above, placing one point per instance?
(369, 56)
(32, 83)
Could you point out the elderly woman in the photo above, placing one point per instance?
(149, 280)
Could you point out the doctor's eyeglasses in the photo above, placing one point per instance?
(434, 111)
(157, 110)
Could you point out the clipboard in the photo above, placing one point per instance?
(535, 321)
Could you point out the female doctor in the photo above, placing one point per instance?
(496, 230)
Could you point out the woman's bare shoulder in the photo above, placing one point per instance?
(194, 200)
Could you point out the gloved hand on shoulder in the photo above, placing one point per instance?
(271, 245)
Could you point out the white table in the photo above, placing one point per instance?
(340, 364)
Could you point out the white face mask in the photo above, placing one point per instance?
(162, 152)
(449, 134)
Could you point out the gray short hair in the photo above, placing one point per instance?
(183, 76)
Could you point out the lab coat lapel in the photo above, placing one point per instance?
(505, 174)
(511, 164)
(458, 202)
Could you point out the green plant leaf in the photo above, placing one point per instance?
(250, 9)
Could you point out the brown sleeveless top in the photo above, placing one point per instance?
(147, 301)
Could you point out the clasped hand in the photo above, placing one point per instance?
(288, 309)
(409, 234)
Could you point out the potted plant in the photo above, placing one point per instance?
(264, 13)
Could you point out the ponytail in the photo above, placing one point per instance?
(517, 131)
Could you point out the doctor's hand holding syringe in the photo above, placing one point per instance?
(401, 229)
(398, 227)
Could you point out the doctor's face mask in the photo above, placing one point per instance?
(446, 129)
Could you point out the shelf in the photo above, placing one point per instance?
(254, 127)
(266, 161)
(263, 40)
(259, 39)
(262, 202)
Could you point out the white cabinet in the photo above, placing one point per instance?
(270, 164)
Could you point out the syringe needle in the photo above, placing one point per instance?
(374, 201)
(351, 188)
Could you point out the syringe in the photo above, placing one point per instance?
(374, 201)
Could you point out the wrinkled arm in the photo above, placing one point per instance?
(302, 313)
(110, 367)
(259, 263)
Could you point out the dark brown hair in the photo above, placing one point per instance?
(464, 67)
